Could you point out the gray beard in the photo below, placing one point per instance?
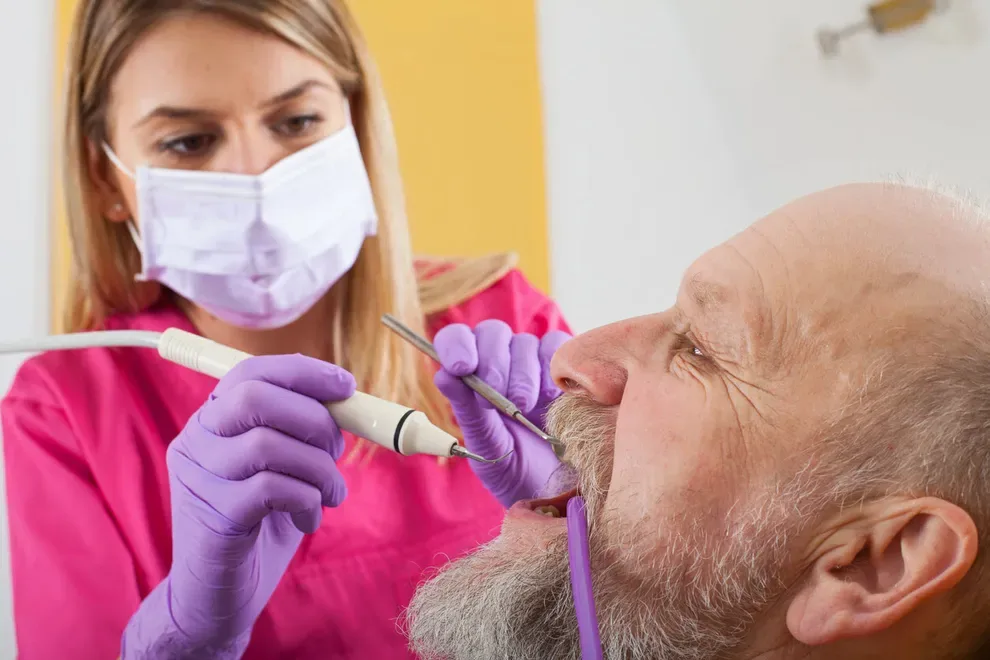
(697, 601)
(687, 589)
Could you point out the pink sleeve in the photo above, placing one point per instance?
(73, 579)
(546, 318)
(512, 300)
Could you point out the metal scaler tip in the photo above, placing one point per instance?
(460, 451)
(558, 447)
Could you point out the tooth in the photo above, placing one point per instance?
(549, 510)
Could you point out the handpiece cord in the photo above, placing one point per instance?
(393, 426)
(96, 339)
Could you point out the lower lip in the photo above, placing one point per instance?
(521, 511)
(526, 509)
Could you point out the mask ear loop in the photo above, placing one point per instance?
(116, 161)
(131, 227)
(136, 237)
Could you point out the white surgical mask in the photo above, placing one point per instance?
(257, 251)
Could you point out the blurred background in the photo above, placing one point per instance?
(608, 142)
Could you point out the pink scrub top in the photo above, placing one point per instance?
(84, 437)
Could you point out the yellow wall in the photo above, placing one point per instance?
(462, 82)
(60, 239)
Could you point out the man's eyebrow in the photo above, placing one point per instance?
(172, 112)
(708, 296)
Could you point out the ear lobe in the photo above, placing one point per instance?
(908, 553)
(109, 197)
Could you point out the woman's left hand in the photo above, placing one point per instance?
(518, 367)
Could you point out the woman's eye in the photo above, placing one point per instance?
(295, 126)
(697, 351)
(189, 145)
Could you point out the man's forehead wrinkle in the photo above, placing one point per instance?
(757, 317)
(759, 277)
(711, 322)
(795, 226)
(706, 294)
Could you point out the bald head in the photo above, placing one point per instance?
(790, 462)
(828, 265)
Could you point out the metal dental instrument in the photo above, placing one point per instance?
(502, 404)
(458, 450)
(390, 425)
(579, 558)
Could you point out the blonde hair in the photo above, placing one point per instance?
(382, 280)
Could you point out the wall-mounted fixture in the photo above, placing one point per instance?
(881, 18)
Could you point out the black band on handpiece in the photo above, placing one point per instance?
(398, 429)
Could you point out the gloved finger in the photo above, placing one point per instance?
(260, 449)
(461, 396)
(242, 503)
(548, 346)
(254, 403)
(493, 338)
(483, 428)
(298, 373)
(307, 521)
(455, 345)
(484, 431)
(524, 384)
(267, 492)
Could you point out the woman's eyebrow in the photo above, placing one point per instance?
(175, 112)
(296, 92)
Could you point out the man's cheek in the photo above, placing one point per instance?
(654, 465)
(670, 450)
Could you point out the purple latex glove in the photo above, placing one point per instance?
(249, 475)
(517, 366)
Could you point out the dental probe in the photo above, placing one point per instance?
(501, 403)
(393, 426)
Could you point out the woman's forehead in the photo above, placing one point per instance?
(206, 61)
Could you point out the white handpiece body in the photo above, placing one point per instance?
(385, 423)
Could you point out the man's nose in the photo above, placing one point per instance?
(594, 363)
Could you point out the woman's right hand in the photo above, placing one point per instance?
(249, 475)
(517, 366)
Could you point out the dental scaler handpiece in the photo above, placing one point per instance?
(385, 423)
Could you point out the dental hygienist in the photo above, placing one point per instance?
(230, 170)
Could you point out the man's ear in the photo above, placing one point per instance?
(111, 201)
(903, 554)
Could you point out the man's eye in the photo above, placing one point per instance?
(686, 345)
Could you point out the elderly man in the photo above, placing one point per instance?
(792, 462)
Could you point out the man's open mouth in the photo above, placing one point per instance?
(551, 507)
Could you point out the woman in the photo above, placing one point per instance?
(230, 170)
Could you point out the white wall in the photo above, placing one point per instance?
(25, 130)
(634, 155)
(672, 125)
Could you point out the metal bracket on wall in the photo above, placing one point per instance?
(882, 18)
